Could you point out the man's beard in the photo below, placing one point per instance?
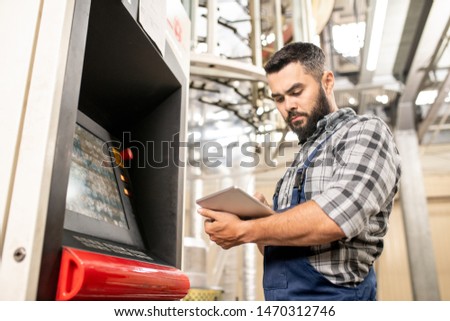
(320, 110)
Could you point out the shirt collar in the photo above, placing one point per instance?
(332, 122)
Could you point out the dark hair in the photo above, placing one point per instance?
(308, 55)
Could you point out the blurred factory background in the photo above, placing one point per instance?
(390, 58)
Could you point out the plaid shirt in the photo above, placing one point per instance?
(353, 178)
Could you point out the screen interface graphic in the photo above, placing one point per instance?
(93, 189)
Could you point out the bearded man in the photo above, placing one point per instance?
(333, 203)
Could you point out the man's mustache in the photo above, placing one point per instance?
(293, 114)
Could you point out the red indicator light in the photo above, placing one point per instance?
(126, 154)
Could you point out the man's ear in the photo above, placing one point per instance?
(328, 81)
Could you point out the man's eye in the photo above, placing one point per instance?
(279, 99)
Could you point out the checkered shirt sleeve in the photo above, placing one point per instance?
(365, 176)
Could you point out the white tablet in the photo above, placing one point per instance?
(236, 201)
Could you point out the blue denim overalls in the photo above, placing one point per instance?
(288, 274)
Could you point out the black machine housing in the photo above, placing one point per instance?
(120, 86)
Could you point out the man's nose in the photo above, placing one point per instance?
(290, 104)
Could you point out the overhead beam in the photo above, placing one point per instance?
(416, 18)
(213, 66)
(390, 40)
(428, 44)
(435, 107)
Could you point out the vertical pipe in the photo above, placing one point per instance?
(279, 41)
(250, 251)
(304, 25)
(191, 7)
(230, 276)
(310, 21)
(255, 16)
(212, 27)
(327, 46)
(296, 20)
(422, 262)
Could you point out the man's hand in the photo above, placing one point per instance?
(225, 229)
(260, 197)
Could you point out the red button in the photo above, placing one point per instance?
(126, 154)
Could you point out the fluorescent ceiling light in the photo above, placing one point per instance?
(377, 31)
(348, 39)
(384, 99)
(426, 97)
(352, 101)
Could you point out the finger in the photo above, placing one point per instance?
(209, 214)
(260, 197)
(207, 225)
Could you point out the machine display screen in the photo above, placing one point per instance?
(93, 189)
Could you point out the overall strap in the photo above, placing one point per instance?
(311, 156)
(298, 192)
(299, 178)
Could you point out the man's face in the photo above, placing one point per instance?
(299, 98)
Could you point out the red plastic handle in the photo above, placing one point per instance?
(93, 276)
(70, 276)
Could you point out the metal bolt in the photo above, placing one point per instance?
(20, 254)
